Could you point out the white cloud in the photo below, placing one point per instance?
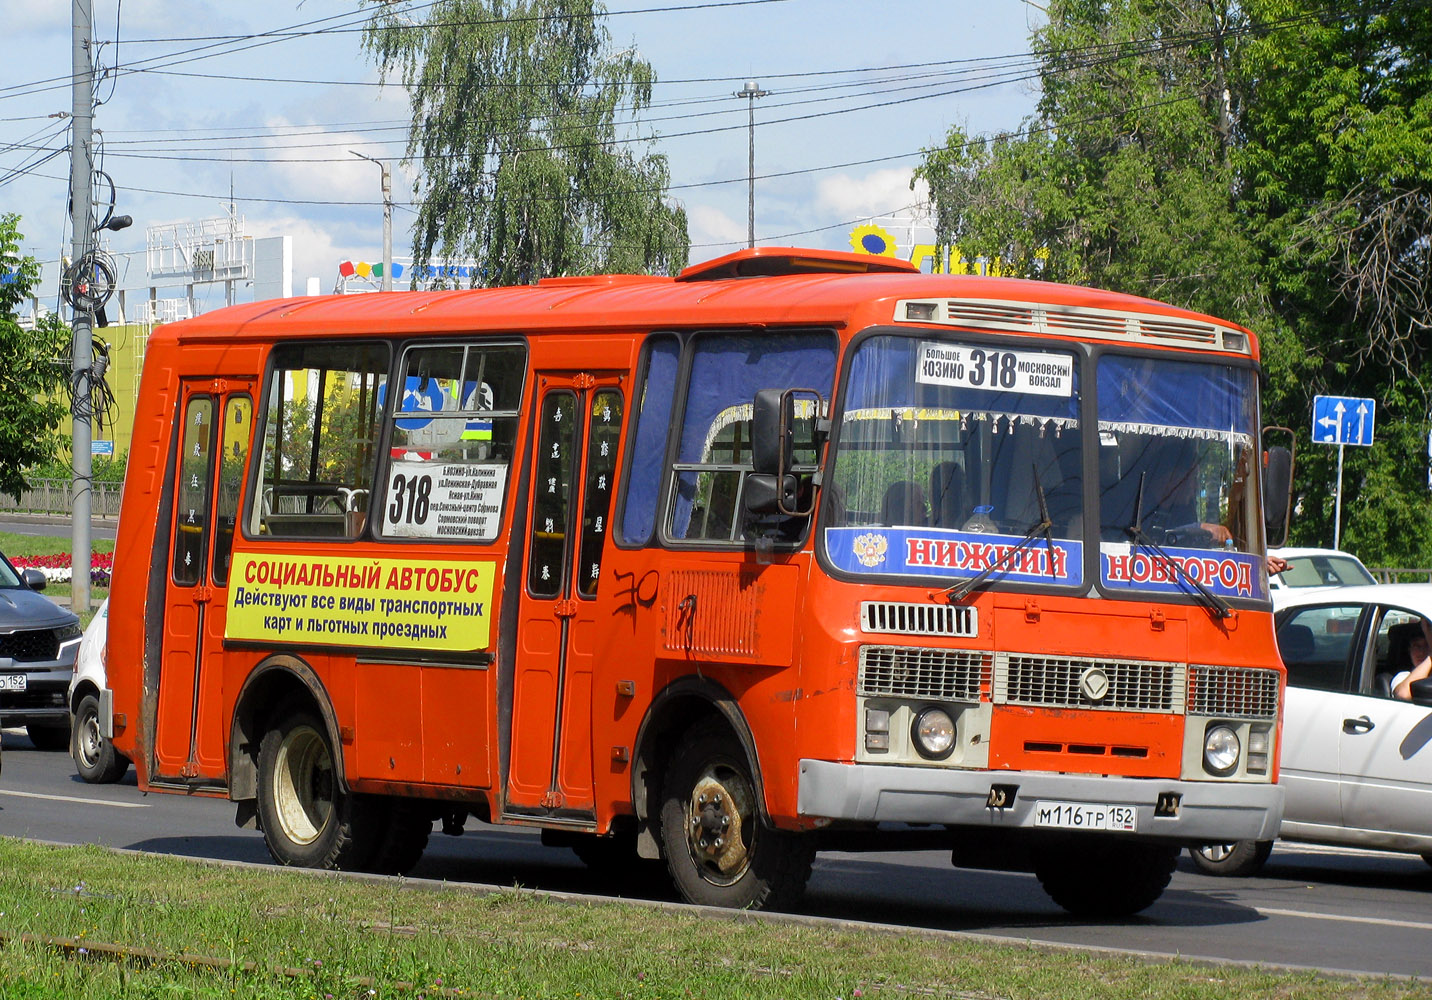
(707, 225)
(881, 194)
(316, 252)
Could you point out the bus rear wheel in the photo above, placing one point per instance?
(1099, 877)
(716, 848)
(308, 820)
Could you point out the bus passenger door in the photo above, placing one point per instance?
(579, 420)
(214, 446)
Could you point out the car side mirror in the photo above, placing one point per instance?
(34, 579)
(1421, 691)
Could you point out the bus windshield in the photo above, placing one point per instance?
(947, 452)
(949, 455)
(1177, 446)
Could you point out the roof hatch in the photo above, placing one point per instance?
(767, 262)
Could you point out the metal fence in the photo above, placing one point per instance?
(56, 497)
(1391, 575)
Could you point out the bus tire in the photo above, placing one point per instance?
(406, 827)
(717, 850)
(308, 820)
(96, 759)
(1100, 877)
(1241, 857)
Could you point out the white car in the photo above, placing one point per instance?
(95, 758)
(1356, 762)
(1315, 568)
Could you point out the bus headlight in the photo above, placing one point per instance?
(933, 732)
(1220, 750)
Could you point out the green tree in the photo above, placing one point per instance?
(1336, 164)
(520, 163)
(32, 371)
(1267, 161)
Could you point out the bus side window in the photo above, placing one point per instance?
(714, 458)
(454, 430)
(653, 404)
(320, 436)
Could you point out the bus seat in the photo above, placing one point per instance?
(904, 503)
(947, 495)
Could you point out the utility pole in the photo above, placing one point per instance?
(751, 91)
(387, 285)
(83, 236)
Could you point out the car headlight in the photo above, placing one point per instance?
(67, 632)
(1220, 750)
(933, 732)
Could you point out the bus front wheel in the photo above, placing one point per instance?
(716, 848)
(1099, 877)
(308, 820)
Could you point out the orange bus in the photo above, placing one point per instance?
(797, 550)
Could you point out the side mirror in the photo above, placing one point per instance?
(1277, 487)
(34, 579)
(772, 425)
(1422, 691)
(768, 494)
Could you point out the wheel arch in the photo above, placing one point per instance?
(276, 685)
(685, 703)
(83, 686)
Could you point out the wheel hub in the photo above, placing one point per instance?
(304, 785)
(716, 830)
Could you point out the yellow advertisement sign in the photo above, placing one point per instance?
(442, 604)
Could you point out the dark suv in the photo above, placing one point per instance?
(38, 644)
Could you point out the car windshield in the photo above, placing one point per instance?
(1325, 571)
(9, 579)
(954, 451)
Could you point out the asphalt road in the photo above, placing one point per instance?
(53, 527)
(1332, 910)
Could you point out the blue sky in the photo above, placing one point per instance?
(856, 90)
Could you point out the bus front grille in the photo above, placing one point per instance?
(1088, 682)
(913, 672)
(1233, 692)
(901, 618)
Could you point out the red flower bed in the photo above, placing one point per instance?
(57, 567)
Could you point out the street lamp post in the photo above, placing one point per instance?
(751, 91)
(387, 285)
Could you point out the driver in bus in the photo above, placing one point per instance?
(1173, 493)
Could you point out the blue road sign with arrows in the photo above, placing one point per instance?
(1343, 420)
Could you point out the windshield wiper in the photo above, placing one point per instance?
(1216, 605)
(963, 589)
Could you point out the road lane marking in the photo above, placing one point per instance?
(1380, 921)
(75, 800)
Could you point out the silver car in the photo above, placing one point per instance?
(1356, 761)
(38, 644)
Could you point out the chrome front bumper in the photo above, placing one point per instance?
(1206, 811)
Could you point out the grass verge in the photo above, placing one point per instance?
(82, 922)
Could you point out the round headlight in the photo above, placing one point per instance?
(1220, 750)
(934, 733)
